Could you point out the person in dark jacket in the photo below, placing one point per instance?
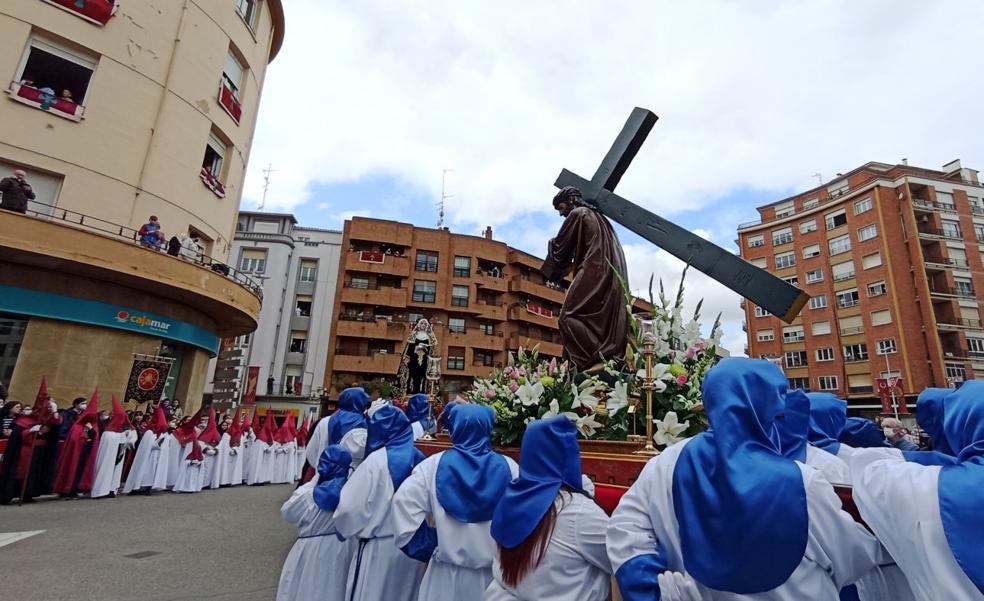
(16, 192)
(70, 415)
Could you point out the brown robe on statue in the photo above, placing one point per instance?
(594, 319)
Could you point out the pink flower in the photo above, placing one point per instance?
(681, 380)
(514, 375)
(691, 352)
(522, 371)
(552, 367)
(508, 370)
(514, 387)
(489, 393)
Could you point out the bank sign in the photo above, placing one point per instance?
(36, 303)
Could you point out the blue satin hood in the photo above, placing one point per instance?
(862, 433)
(390, 429)
(350, 414)
(471, 477)
(828, 414)
(333, 470)
(447, 416)
(961, 485)
(740, 505)
(418, 407)
(549, 459)
(929, 416)
(793, 428)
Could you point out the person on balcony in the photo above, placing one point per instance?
(15, 192)
(150, 234)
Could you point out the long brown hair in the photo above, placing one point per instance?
(518, 562)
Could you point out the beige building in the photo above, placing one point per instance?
(117, 113)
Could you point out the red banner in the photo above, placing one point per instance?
(249, 391)
(886, 387)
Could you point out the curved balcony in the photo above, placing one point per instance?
(378, 263)
(379, 329)
(380, 297)
(546, 347)
(388, 363)
(521, 286)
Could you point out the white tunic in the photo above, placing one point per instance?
(838, 550)
(261, 463)
(190, 474)
(300, 455)
(174, 460)
(317, 442)
(576, 564)
(832, 468)
(283, 463)
(210, 465)
(247, 452)
(461, 567)
(317, 566)
(108, 471)
(232, 473)
(379, 570)
(150, 464)
(900, 501)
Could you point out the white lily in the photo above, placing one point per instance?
(587, 425)
(668, 429)
(661, 374)
(555, 410)
(529, 394)
(583, 398)
(618, 397)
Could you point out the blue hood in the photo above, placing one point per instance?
(418, 407)
(828, 414)
(390, 429)
(350, 414)
(929, 416)
(862, 433)
(333, 469)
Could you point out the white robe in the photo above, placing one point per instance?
(838, 550)
(576, 564)
(174, 460)
(246, 451)
(283, 463)
(108, 471)
(317, 442)
(261, 462)
(379, 571)
(317, 566)
(300, 455)
(190, 474)
(900, 501)
(210, 466)
(461, 567)
(232, 473)
(832, 468)
(150, 464)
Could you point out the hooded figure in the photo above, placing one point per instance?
(150, 465)
(261, 451)
(828, 414)
(190, 456)
(317, 566)
(457, 490)
(31, 454)
(380, 570)
(418, 412)
(113, 442)
(861, 433)
(300, 454)
(209, 439)
(550, 533)
(930, 416)
(729, 510)
(346, 426)
(77, 460)
(284, 453)
(929, 517)
(231, 455)
(250, 427)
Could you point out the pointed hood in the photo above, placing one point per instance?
(40, 411)
(793, 429)
(267, 432)
(158, 424)
(70, 454)
(210, 435)
(828, 415)
(255, 425)
(285, 433)
(304, 432)
(118, 421)
(235, 432)
(185, 433)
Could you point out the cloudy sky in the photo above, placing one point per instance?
(368, 102)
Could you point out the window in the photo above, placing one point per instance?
(957, 258)
(359, 281)
(232, 73)
(456, 358)
(951, 229)
(426, 261)
(813, 250)
(791, 280)
(850, 326)
(825, 354)
(462, 267)
(811, 203)
(955, 372)
(818, 302)
(820, 328)
(424, 291)
(415, 317)
(247, 10)
(855, 352)
(862, 206)
(793, 334)
(871, 261)
(808, 226)
(867, 232)
(848, 298)
(835, 219)
(459, 296)
(456, 324)
(302, 305)
(838, 245)
(760, 262)
(487, 329)
(801, 383)
(309, 270)
(298, 342)
(795, 359)
(944, 200)
(886, 346)
(754, 241)
(765, 335)
(975, 346)
(785, 260)
(785, 209)
(215, 150)
(253, 261)
(760, 312)
(979, 232)
(54, 78)
(842, 271)
(827, 382)
(812, 277)
(877, 288)
(964, 287)
(484, 358)
(293, 379)
(783, 236)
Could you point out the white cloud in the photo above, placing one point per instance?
(757, 96)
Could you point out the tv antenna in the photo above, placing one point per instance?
(266, 185)
(444, 196)
(819, 177)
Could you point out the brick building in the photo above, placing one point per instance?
(482, 297)
(892, 256)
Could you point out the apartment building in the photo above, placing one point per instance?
(892, 257)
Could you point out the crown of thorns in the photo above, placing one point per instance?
(568, 193)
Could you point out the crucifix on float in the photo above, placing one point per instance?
(593, 322)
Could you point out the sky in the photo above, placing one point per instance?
(368, 103)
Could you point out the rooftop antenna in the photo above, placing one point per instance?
(819, 177)
(444, 196)
(266, 185)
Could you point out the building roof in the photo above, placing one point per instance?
(277, 13)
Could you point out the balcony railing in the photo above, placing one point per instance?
(115, 230)
(39, 99)
(860, 389)
(939, 233)
(852, 331)
(953, 291)
(928, 205)
(977, 210)
(947, 262)
(848, 304)
(844, 276)
(958, 322)
(97, 12)
(212, 182)
(229, 101)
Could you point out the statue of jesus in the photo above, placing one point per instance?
(594, 318)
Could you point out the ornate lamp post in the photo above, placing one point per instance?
(433, 375)
(647, 330)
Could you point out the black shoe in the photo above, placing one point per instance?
(112, 494)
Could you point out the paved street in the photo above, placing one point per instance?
(219, 545)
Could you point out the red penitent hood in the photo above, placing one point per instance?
(119, 421)
(210, 435)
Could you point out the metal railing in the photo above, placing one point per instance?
(115, 230)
